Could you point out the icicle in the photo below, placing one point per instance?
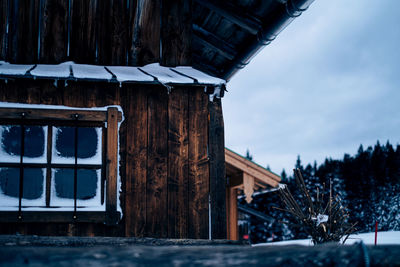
(216, 93)
(169, 88)
(65, 83)
(55, 82)
(6, 81)
(120, 84)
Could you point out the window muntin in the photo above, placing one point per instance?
(34, 165)
(89, 145)
(106, 122)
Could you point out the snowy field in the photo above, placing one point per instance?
(384, 238)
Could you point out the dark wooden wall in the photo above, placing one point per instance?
(171, 157)
(112, 32)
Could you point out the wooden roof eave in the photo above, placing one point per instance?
(261, 175)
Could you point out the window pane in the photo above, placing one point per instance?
(34, 187)
(90, 196)
(87, 142)
(89, 145)
(63, 145)
(33, 183)
(10, 139)
(87, 184)
(88, 187)
(9, 185)
(64, 183)
(35, 144)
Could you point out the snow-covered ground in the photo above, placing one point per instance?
(384, 238)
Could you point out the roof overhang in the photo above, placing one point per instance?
(248, 176)
(228, 34)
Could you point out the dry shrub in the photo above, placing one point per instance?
(324, 218)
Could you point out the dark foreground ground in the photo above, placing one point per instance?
(103, 251)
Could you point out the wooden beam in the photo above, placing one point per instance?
(55, 114)
(248, 185)
(212, 41)
(54, 31)
(157, 164)
(251, 168)
(232, 217)
(176, 33)
(145, 39)
(53, 216)
(83, 31)
(178, 120)
(112, 165)
(135, 104)
(248, 23)
(118, 32)
(199, 183)
(217, 170)
(3, 28)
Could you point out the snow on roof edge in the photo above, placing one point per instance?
(151, 73)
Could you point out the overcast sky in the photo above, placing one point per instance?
(328, 83)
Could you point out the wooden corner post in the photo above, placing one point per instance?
(216, 150)
(112, 165)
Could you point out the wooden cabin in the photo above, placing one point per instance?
(244, 177)
(110, 112)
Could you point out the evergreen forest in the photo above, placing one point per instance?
(368, 184)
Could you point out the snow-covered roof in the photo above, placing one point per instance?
(152, 73)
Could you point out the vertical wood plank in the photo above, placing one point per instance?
(27, 31)
(198, 165)
(145, 46)
(136, 161)
(103, 29)
(119, 32)
(232, 218)
(112, 165)
(3, 28)
(157, 163)
(54, 31)
(217, 170)
(178, 119)
(83, 31)
(176, 32)
(12, 39)
(131, 16)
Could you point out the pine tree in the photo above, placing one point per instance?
(248, 155)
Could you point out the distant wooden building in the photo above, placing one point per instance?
(245, 177)
(110, 116)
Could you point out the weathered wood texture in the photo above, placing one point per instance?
(232, 214)
(163, 166)
(216, 150)
(178, 149)
(135, 104)
(157, 164)
(146, 33)
(176, 32)
(199, 187)
(76, 95)
(112, 165)
(54, 25)
(3, 28)
(60, 251)
(117, 32)
(82, 47)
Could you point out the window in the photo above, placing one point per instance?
(59, 164)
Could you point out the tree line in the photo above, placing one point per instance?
(368, 184)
